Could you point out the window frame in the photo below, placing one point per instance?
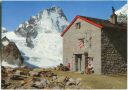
(78, 25)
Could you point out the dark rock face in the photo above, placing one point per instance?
(10, 52)
(29, 40)
(27, 28)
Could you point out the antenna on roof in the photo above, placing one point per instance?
(113, 17)
(113, 10)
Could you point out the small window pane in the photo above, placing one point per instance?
(78, 25)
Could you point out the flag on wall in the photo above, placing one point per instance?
(81, 43)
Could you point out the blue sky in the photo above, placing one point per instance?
(16, 12)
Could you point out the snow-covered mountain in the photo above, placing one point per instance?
(122, 14)
(39, 38)
(48, 20)
(122, 10)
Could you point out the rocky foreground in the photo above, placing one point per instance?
(58, 78)
(27, 78)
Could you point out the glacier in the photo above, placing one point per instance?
(46, 53)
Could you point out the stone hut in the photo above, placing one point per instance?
(93, 45)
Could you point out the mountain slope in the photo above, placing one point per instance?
(122, 14)
(49, 20)
(10, 53)
(123, 10)
(39, 38)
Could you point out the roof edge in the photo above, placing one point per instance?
(82, 18)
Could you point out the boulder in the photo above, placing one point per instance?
(54, 78)
(78, 81)
(6, 71)
(10, 53)
(4, 84)
(33, 73)
(40, 84)
(46, 74)
(22, 71)
(70, 82)
(61, 79)
(61, 67)
(17, 72)
(17, 77)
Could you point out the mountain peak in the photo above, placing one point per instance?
(48, 20)
(53, 10)
(54, 7)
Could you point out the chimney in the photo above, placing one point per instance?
(113, 17)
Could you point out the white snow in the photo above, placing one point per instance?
(52, 21)
(122, 14)
(20, 25)
(26, 22)
(46, 53)
(123, 10)
(10, 35)
(5, 43)
(4, 30)
(34, 17)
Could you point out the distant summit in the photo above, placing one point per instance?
(123, 10)
(122, 14)
(48, 20)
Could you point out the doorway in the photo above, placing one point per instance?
(78, 59)
(88, 64)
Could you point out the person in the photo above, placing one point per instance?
(89, 68)
(68, 66)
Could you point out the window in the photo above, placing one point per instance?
(78, 25)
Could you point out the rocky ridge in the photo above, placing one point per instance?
(10, 53)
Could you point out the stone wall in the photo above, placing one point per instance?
(114, 51)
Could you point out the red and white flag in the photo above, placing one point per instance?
(81, 43)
